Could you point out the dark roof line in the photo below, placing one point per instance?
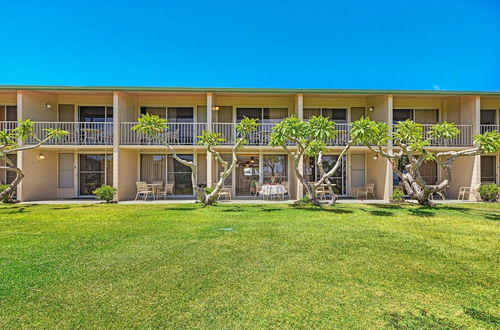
(243, 90)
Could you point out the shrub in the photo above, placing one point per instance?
(105, 193)
(489, 192)
(5, 199)
(398, 196)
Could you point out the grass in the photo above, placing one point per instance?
(249, 266)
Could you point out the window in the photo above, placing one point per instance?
(8, 113)
(312, 172)
(421, 116)
(274, 168)
(159, 111)
(96, 114)
(428, 171)
(9, 175)
(66, 170)
(488, 169)
(153, 168)
(180, 175)
(337, 115)
(95, 170)
(180, 115)
(488, 117)
(264, 115)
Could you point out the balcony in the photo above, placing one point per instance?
(463, 139)
(80, 133)
(261, 136)
(176, 134)
(489, 128)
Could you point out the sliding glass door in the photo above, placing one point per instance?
(166, 169)
(94, 170)
(312, 172)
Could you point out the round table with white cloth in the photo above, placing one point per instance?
(269, 190)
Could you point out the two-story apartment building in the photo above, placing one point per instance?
(102, 149)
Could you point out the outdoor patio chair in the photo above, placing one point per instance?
(258, 188)
(368, 189)
(165, 190)
(144, 190)
(225, 192)
(286, 184)
(464, 190)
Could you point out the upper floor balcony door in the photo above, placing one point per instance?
(8, 113)
(489, 120)
(8, 117)
(181, 128)
(421, 116)
(267, 118)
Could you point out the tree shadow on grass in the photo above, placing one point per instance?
(386, 206)
(492, 216)
(482, 316)
(423, 320)
(331, 209)
(423, 212)
(60, 208)
(381, 213)
(16, 210)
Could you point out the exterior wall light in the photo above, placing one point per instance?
(41, 156)
(371, 109)
(48, 106)
(215, 108)
(375, 157)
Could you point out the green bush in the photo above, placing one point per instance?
(105, 193)
(398, 195)
(5, 199)
(489, 192)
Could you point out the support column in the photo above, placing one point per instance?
(210, 158)
(116, 139)
(299, 112)
(19, 192)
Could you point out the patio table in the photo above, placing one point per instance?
(271, 191)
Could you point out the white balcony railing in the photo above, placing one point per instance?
(83, 133)
(80, 133)
(176, 134)
(489, 128)
(8, 125)
(464, 138)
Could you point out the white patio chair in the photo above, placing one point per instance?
(368, 189)
(144, 190)
(225, 192)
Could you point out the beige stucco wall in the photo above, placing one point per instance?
(490, 102)
(311, 101)
(128, 163)
(165, 100)
(32, 106)
(97, 99)
(379, 172)
(402, 102)
(40, 181)
(8, 98)
(264, 101)
(466, 173)
(382, 107)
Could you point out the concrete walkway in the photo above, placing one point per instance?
(234, 201)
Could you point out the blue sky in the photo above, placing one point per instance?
(446, 44)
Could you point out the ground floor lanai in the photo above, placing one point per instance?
(54, 173)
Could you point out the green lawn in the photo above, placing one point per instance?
(249, 266)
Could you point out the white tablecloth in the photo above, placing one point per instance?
(269, 190)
